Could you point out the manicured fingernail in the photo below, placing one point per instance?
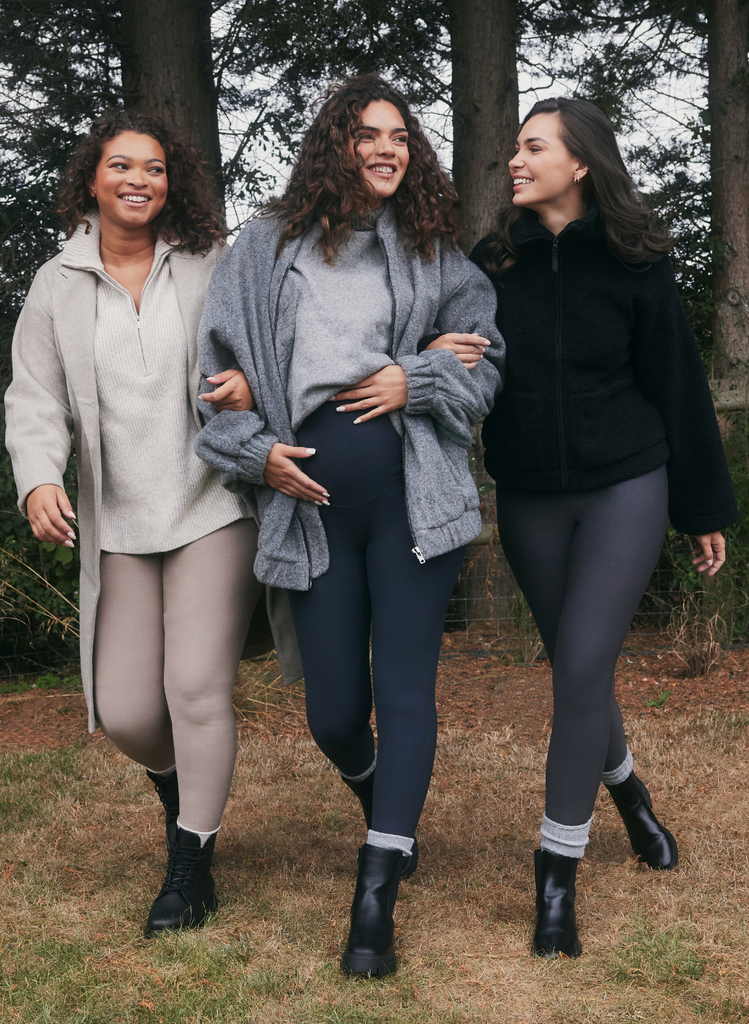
(71, 535)
(69, 512)
(318, 503)
(709, 561)
(325, 494)
(326, 503)
(310, 451)
(340, 408)
(357, 420)
(69, 544)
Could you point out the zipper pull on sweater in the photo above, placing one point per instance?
(555, 255)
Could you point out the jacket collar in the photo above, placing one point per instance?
(81, 251)
(530, 229)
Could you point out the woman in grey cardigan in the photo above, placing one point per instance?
(105, 351)
(322, 302)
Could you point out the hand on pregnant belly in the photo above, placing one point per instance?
(383, 392)
(283, 473)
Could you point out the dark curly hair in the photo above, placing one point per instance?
(326, 182)
(631, 231)
(190, 218)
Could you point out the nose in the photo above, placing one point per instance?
(384, 146)
(515, 163)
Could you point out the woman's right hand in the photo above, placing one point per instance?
(469, 348)
(46, 506)
(283, 473)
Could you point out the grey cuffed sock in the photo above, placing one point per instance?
(619, 774)
(565, 840)
(385, 841)
(204, 836)
(363, 776)
(165, 773)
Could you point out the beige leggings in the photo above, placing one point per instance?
(169, 634)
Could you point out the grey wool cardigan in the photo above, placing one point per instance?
(444, 398)
(52, 399)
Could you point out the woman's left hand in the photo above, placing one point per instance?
(711, 553)
(383, 392)
(234, 392)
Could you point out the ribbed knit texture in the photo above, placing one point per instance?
(386, 841)
(157, 495)
(340, 315)
(565, 840)
(613, 778)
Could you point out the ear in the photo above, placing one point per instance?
(580, 171)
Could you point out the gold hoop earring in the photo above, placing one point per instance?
(576, 180)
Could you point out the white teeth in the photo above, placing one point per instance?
(135, 199)
(522, 181)
(382, 169)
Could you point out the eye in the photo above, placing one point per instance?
(402, 140)
(120, 165)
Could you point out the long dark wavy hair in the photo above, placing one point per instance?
(630, 228)
(190, 218)
(326, 182)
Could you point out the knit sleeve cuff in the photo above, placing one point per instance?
(422, 384)
(236, 444)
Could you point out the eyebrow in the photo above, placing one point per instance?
(536, 138)
(120, 156)
(371, 128)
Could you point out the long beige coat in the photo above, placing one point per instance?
(53, 397)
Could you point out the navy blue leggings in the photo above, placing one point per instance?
(374, 584)
(583, 560)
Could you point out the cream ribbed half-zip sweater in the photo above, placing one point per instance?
(156, 494)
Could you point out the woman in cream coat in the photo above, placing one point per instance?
(105, 351)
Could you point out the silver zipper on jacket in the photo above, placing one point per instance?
(415, 550)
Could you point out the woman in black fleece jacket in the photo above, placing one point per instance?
(605, 426)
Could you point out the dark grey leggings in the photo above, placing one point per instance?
(583, 560)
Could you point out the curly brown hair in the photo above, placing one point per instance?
(326, 183)
(190, 218)
(630, 228)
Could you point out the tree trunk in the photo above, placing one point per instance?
(728, 98)
(485, 107)
(166, 65)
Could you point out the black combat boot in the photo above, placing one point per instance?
(556, 928)
(188, 893)
(651, 841)
(167, 790)
(369, 949)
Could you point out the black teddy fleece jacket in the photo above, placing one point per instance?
(604, 378)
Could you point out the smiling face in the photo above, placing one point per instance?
(130, 182)
(543, 169)
(381, 145)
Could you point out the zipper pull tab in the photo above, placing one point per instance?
(555, 255)
(417, 551)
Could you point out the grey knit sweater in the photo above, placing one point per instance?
(444, 398)
(334, 318)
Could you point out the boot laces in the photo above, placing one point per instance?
(183, 867)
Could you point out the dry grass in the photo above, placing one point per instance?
(696, 633)
(82, 857)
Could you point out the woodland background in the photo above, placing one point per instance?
(241, 79)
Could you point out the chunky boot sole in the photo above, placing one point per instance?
(363, 963)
